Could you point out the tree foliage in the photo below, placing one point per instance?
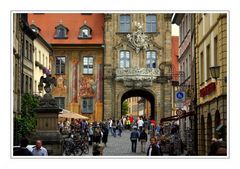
(125, 107)
(25, 123)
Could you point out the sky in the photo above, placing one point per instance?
(175, 30)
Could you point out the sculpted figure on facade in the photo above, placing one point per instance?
(138, 39)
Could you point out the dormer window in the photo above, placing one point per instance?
(85, 32)
(61, 32)
(35, 28)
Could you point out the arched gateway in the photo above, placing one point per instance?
(140, 93)
(131, 63)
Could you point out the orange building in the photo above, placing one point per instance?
(77, 59)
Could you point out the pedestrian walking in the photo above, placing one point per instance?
(153, 150)
(134, 137)
(143, 139)
(114, 127)
(105, 134)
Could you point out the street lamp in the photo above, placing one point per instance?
(215, 71)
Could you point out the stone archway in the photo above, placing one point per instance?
(148, 95)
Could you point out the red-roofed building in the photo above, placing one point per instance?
(77, 58)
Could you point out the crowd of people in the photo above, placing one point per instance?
(161, 139)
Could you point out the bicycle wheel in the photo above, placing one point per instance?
(78, 150)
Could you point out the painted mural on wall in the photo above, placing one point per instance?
(61, 88)
(87, 87)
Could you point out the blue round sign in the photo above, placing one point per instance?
(180, 95)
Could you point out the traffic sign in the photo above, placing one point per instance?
(180, 96)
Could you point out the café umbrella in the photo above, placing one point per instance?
(71, 115)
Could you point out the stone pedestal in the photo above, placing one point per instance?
(47, 130)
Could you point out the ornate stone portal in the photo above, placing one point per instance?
(47, 119)
(137, 80)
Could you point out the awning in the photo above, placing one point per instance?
(176, 117)
(71, 115)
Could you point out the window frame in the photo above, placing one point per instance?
(151, 22)
(88, 65)
(124, 59)
(65, 32)
(151, 59)
(89, 102)
(59, 72)
(124, 28)
(85, 27)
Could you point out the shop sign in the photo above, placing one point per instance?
(211, 87)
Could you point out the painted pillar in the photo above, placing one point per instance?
(74, 80)
(74, 105)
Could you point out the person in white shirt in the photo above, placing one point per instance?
(140, 124)
(39, 150)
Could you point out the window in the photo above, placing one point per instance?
(85, 32)
(30, 84)
(151, 23)
(30, 52)
(60, 65)
(87, 105)
(26, 84)
(202, 67)
(61, 32)
(124, 59)
(125, 23)
(27, 50)
(208, 61)
(151, 59)
(215, 50)
(60, 102)
(87, 65)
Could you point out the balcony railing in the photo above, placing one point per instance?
(137, 76)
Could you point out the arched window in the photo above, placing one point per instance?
(61, 32)
(151, 59)
(124, 59)
(85, 32)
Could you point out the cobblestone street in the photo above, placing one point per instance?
(119, 146)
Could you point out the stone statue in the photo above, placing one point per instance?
(49, 81)
(138, 39)
(47, 101)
